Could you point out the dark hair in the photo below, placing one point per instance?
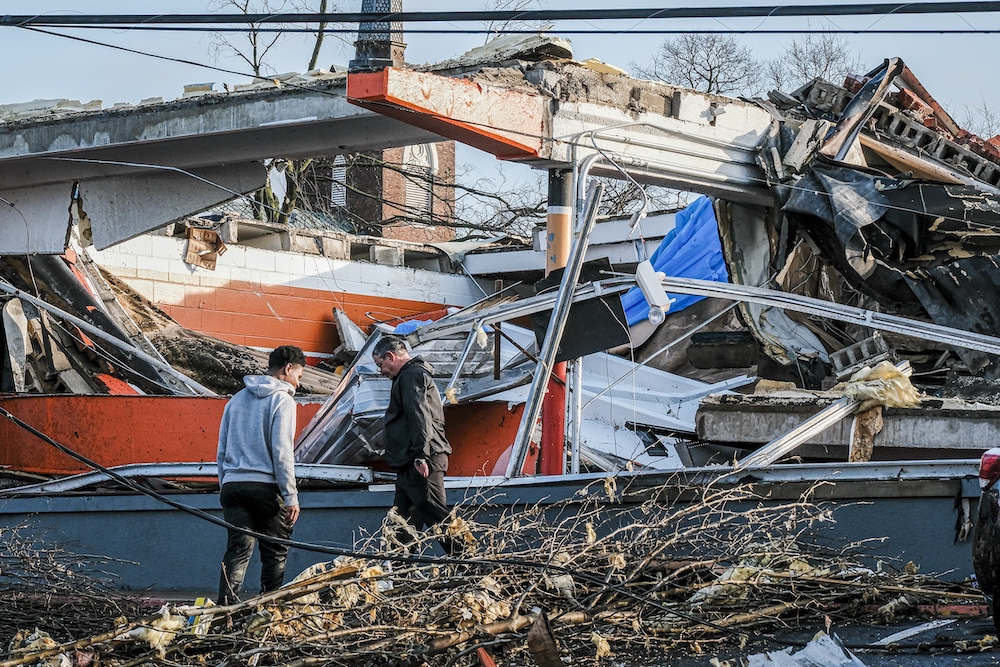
(286, 354)
(393, 344)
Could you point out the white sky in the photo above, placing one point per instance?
(957, 70)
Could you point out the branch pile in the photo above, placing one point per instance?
(604, 574)
(42, 583)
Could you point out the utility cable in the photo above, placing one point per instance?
(539, 15)
(572, 31)
(161, 167)
(350, 553)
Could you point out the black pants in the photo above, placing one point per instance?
(422, 502)
(259, 507)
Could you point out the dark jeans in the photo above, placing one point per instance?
(422, 502)
(258, 507)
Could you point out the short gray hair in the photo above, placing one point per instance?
(393, 344)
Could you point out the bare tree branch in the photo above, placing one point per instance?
(981, 120)
(710, 63)
(496, 28)
(829, 57)
(259, 44)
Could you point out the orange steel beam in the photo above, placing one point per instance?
(507, 123)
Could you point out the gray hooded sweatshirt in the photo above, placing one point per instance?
(256, 436)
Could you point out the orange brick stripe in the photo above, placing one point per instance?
(262, 315)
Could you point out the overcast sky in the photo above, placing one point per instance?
(957, 70)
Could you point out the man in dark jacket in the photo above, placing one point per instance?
(415, 443)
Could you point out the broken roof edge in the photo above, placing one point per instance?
(276, 227)
(73, 109)
(500, 49)
(504, 48)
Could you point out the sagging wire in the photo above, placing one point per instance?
(181, 61)
(27, 243)
(494, 16)
(890, 13)
(350, 553)
(634, 222)
(836, 30)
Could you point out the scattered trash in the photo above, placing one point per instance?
(826, 650)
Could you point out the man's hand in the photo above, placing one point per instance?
(291, 515)
(421, 466)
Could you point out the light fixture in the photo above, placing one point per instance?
(652, 289)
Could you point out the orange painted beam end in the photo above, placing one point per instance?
(507, 123)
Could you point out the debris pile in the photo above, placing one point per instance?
(566, 583)
(45, 586)
(215, 363)
(52, 350)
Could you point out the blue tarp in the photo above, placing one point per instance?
(692, 249)
(409, 326)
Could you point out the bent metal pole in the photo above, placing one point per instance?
(550, 344)
(558, 244)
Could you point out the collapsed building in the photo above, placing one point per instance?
(840, 226)
(867, 195)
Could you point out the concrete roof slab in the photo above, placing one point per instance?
(197, 132)
(215, 144)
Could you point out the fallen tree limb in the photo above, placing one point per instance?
(286, 593)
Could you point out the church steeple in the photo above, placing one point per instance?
(379, 44)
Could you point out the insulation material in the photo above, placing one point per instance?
(204, 248)
(883, 385)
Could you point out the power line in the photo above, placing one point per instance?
(158, 56)
(569, 31)
(730, 12)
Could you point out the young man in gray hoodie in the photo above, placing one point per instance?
(257, 471)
